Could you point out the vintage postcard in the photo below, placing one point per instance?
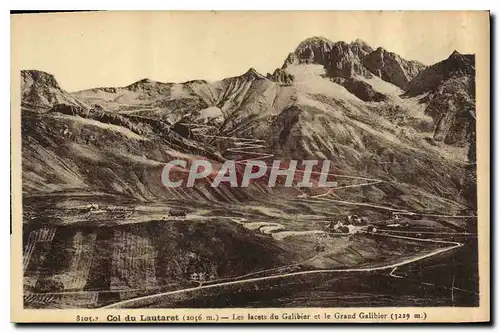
(250, 167)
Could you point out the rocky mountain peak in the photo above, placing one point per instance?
(458, 62)
(280, 76)
(360, 47)
(40, 90)
(391, 67)
(316, 41)
(360, 42)
(40, 77)
(345, 61)
(339, 59)
(314, 50)
(141, 84)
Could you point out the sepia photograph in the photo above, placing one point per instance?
(216, 164)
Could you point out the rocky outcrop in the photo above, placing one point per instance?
(455, 66)
(291, 59)
(147, 256)
(72, 110)
(339, 59)
(39, 78)
(252, 74)
(280, 76)
(391, 67)
(312, 50)
(312, 118)
(450, 97)
(360, 89)
(40, 90)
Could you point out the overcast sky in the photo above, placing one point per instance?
(86, 50)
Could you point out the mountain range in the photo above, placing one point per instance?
(374, 114)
